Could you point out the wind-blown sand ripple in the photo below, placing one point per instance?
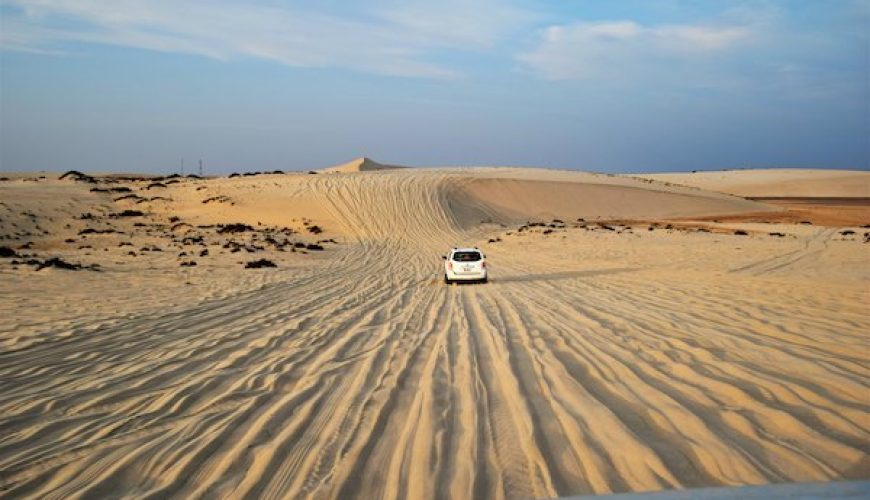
(592, 362)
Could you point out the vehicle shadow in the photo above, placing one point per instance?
(564, 275)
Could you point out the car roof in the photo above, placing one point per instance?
(467, 250)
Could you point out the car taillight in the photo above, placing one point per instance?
(450, 265)
(483, 264)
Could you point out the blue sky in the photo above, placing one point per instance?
(644, 85)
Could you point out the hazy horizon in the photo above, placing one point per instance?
(193, 169)
(630, 86)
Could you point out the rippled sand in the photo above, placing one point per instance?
(601, 357)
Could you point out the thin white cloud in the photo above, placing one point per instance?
(597, 49)
(459, 23)
(699, 38)
(388, 38)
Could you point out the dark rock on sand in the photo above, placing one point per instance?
(234, 228)
(91, 230)
(128, 197)
(112, 190)
(128, 213)
(217, 199)
(78, 176)
(57, 263)
(192, 240)
(257, 264)
(7, 252)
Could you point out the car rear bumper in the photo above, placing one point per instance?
(466, 276)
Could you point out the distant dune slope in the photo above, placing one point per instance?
(525, 198)
(775, 182)
(448, 200)
(405, 203)
(360, 165)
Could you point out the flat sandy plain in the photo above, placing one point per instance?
(638, 335)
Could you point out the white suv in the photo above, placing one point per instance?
(465, 264)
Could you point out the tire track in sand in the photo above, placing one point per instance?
(364, 378)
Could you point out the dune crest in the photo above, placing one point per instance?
(362, 164)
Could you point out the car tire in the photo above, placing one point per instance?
(446, 280)
(484, 280)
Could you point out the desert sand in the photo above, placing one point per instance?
(826, 197)
(775, 182)
(360, 165)
(636, 335)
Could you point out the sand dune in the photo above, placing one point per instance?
(604, 356)
(522, 199)
(360, 165)
(775, 182)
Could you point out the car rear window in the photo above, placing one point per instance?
(466, 256)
